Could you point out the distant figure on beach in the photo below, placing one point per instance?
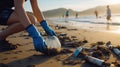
(76, 16)
(67, 13)
(96, 13)
(62, 15)
(18, 20)
(108, 17)
(108, 13)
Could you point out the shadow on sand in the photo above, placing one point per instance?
(30, 61)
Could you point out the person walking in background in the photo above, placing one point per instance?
(76, 16)
(108, 16)
(96, 13)
(66, 16)
(63, 15)
(67, 13)
(18, 19)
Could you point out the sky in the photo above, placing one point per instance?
(77, 5)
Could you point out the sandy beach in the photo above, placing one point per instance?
(26, 56)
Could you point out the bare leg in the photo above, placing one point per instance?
(108, 26)
(14, 26)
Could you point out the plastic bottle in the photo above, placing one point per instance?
(115, 50)
(97, 61)
(77, 51)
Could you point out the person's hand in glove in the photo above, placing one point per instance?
(38, 41)
(47, 28)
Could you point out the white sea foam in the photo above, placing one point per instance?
(91, 23)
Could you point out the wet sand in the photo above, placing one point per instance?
(26, 56)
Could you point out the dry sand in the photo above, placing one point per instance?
(26, 56)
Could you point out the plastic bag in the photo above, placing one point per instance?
(53, 44)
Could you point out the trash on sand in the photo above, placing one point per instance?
(114, 49)
(77, 51)
(53, 44)
(97, 61)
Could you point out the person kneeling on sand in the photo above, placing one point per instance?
(18, 20)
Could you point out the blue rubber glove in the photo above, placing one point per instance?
(38, 41)
(47, 29)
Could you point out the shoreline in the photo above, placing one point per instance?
(89, 26)
(96, 35)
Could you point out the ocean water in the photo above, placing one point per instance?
(91, 23)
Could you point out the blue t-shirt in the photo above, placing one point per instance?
(67, 13)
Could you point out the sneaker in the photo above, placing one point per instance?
(5, 46)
